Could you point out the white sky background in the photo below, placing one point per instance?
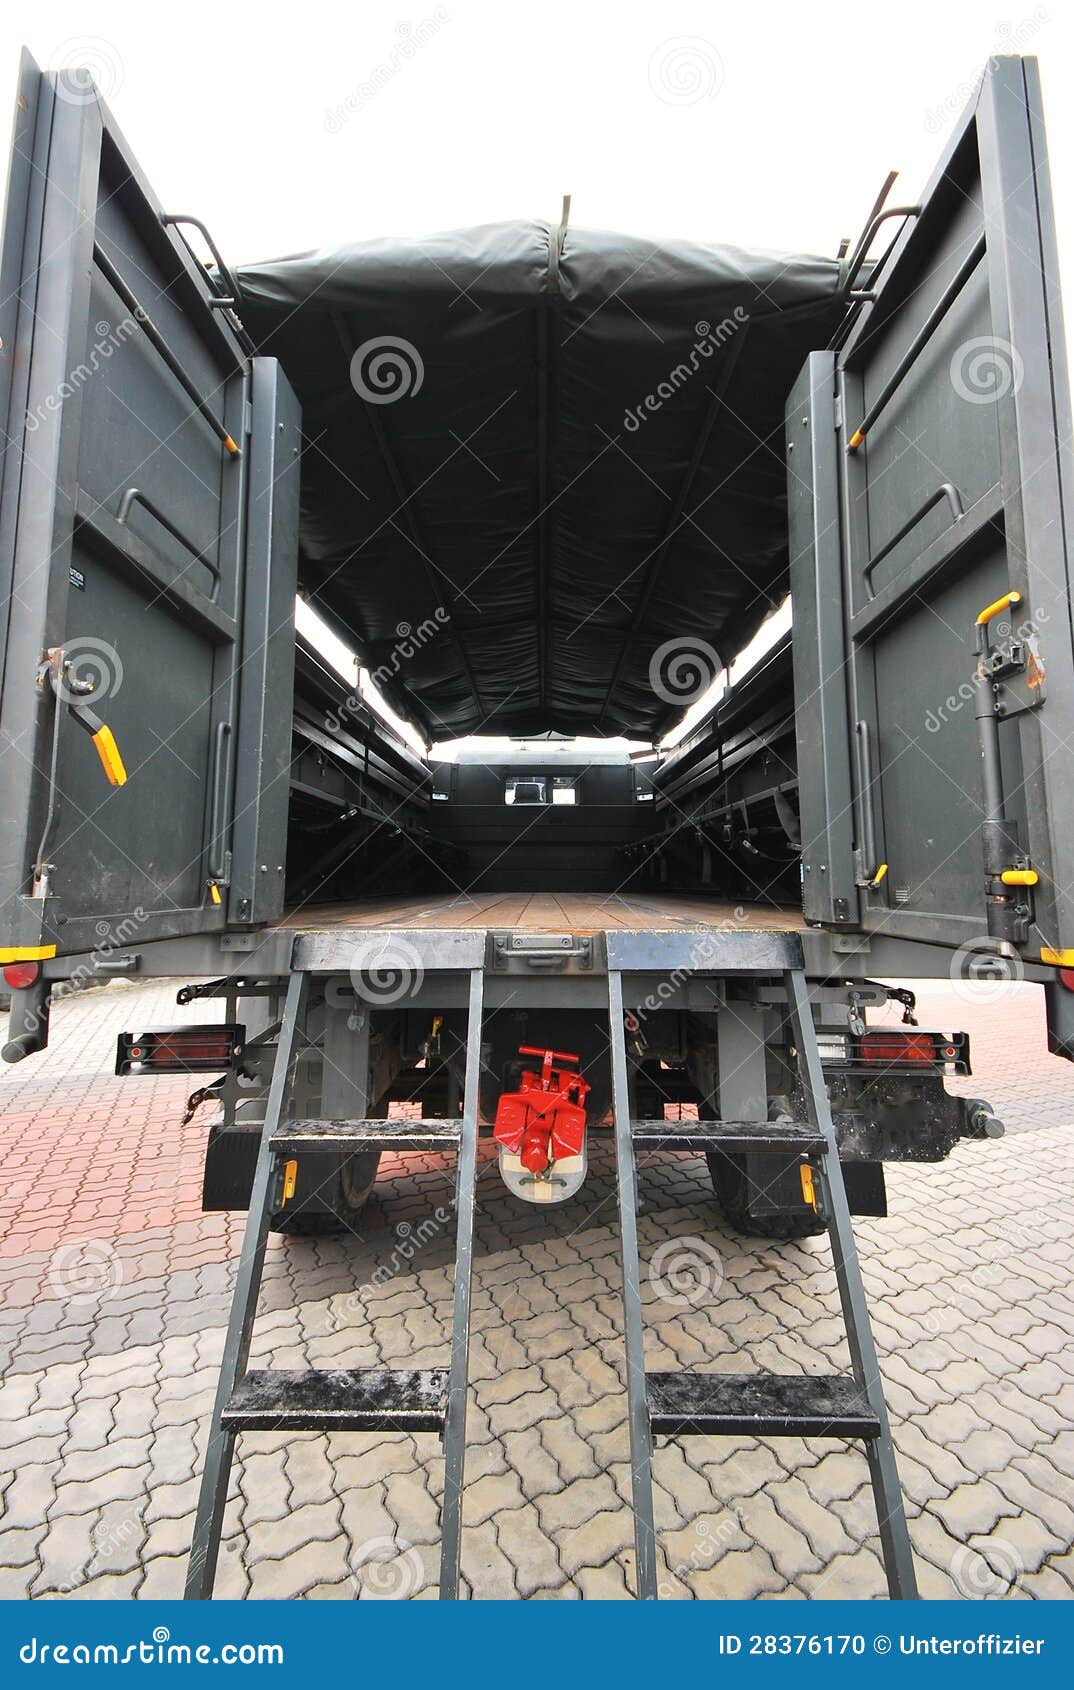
(253, 117)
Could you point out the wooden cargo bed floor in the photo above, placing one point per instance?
(545, 912)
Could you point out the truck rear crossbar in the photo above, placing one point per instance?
(670, 1405)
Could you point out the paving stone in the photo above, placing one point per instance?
(738, 1576)
(529, 1549)
(595, 1541)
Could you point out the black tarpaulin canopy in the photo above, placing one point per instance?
(535, 458)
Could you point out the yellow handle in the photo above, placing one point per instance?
(991, 610)
(879, 875)
(290, 1180)
(108, 752)
(1057, 958)
(855, 440)
(1019, 877)
(809, 1192)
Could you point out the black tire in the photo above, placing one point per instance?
(354, 1183)
(732, 1191)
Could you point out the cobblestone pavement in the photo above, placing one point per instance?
(115, 1287)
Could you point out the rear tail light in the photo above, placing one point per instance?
(19, 975)
(909, 1049)
(181, 1050)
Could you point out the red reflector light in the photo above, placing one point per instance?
(1067, 977)
(899, 1047)
(19, 975)
(180, 1050)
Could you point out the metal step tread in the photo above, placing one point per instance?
(292, 1137)
(342, 1400)
(770, 1404)
(732, 1137)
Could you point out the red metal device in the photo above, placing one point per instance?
(545, 1118)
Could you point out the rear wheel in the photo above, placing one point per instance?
(348, 1193)
(732, 1188)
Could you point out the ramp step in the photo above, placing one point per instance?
(293, 1137)
(732, 1137)
(759, 1404)
(362, 1400)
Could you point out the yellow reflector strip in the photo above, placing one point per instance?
(27, 953)
(1057, 958)
(1019, 877)
(808, 1188)
(994, 609)
(290, 1180)
(108, 752)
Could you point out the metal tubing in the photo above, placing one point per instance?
(157, 340)
(920, 340)
(641, 1443)
(944, 491)
(455, 1425)
(883, 1471)
(205, 1547)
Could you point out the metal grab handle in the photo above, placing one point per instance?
(134, 496)
(857, 257)
(920, 340)
(175, 220)
(157, 341)
(865, 782)
(944, 491)
(217, 855)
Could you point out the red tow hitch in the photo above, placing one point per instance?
(540, 1128)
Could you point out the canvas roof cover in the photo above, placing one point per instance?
(534, 458)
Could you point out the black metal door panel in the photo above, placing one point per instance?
(946, 488)
(125, 546)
